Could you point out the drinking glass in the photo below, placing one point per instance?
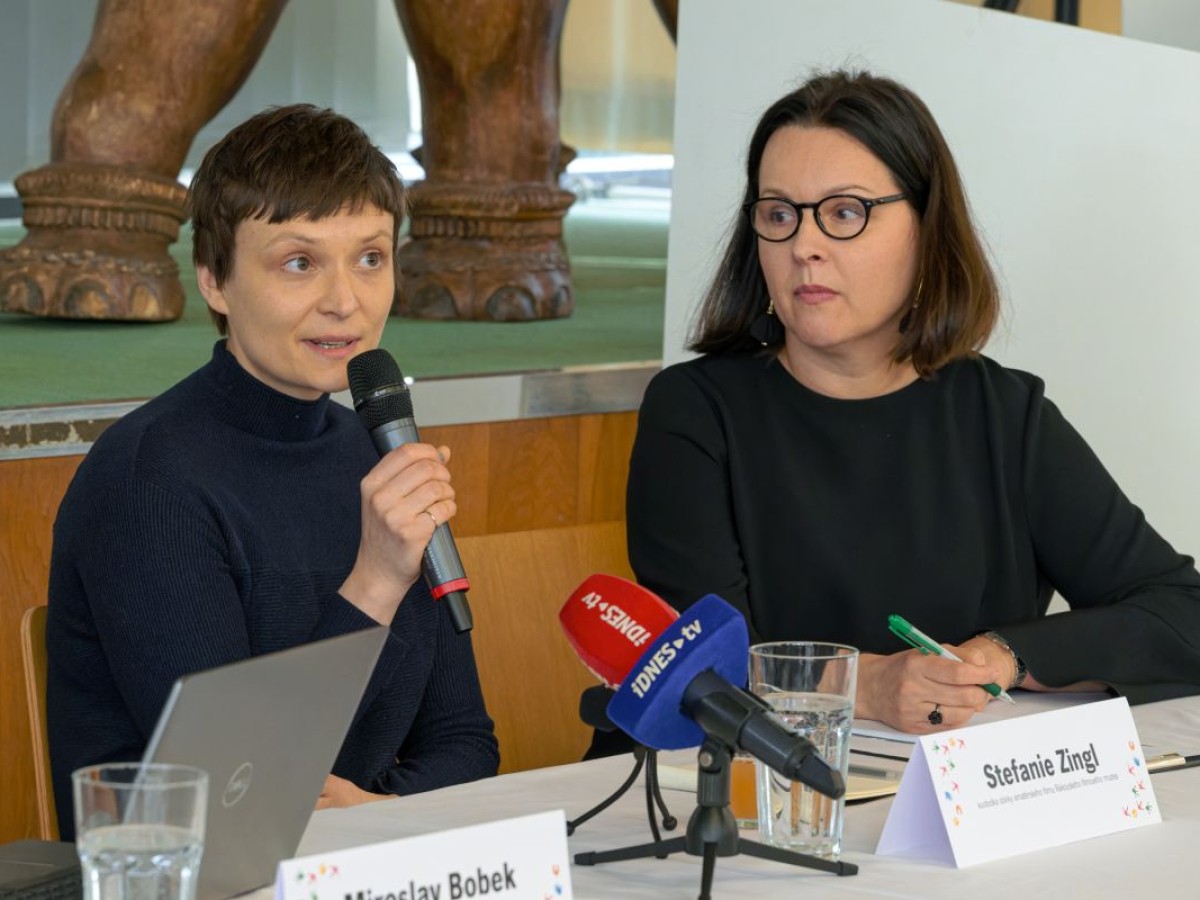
(139, 830)
(810, 686)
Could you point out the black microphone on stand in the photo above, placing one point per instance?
(593, 707)
(384, 406)
(684, 690)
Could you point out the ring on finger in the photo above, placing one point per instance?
(432, 518)
(935, 716)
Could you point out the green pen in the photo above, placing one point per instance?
(910, 634)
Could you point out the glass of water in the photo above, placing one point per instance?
(139, 830)
(810, 686)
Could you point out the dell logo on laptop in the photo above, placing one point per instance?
(236, 789)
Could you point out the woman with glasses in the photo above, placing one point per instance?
(841, 451)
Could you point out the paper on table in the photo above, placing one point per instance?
(677, 778)
(864, 783)
(869, 783)
(1028, 703)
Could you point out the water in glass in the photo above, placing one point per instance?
(799, 818)
(139, 862)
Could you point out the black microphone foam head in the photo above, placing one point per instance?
(378, 388)
(593, 707)
(370, 371)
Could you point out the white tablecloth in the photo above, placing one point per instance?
(1153, 861)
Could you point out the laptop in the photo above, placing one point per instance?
(267, 730)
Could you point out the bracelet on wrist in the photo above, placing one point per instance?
(1019, 664)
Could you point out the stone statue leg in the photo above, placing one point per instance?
(102, 214)
(487, 219)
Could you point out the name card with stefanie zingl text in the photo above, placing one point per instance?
(986, 792)
(514, 859)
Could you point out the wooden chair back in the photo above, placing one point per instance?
(33, 663)
(531, 677)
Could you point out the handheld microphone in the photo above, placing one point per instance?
(384, 406)
(683, 686)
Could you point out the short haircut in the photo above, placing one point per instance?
(959, 298)
(287, 162)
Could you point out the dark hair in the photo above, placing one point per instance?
(287, 162)
(959, 299)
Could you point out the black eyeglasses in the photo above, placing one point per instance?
(841, 216)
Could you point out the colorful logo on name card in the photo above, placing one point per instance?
(311, 878)
(556, 888)
(1139, 784)
(947, 757)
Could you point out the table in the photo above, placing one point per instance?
(1150, 861)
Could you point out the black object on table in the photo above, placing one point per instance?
(39, 870)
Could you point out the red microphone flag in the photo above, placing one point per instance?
(609, 621)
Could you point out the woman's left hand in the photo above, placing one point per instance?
(339, 792)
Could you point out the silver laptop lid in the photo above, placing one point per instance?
(267, 730)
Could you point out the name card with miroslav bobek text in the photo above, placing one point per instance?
(976, 794)
(514, 859)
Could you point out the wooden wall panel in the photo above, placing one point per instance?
(510, 476)
(548, 497)
(604, 446)
(30, 491)
(470, 461)
(519, 581)
(538, 473)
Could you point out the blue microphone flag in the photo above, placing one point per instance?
(709, 634)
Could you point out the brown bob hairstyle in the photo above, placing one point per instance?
(959, 301)
(287, 162)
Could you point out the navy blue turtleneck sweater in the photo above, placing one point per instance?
(215, 523)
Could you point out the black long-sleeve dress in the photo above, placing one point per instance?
(962, 503)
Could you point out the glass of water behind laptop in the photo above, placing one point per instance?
(810, 686)
(139, 830)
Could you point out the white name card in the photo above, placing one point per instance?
(514, 859)
(991, 791)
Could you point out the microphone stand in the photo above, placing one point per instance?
(642, 755)
(592, 705)
(712, 830)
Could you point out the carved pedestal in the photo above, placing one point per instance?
(102, 215)
(96, 247)
(486, 253)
